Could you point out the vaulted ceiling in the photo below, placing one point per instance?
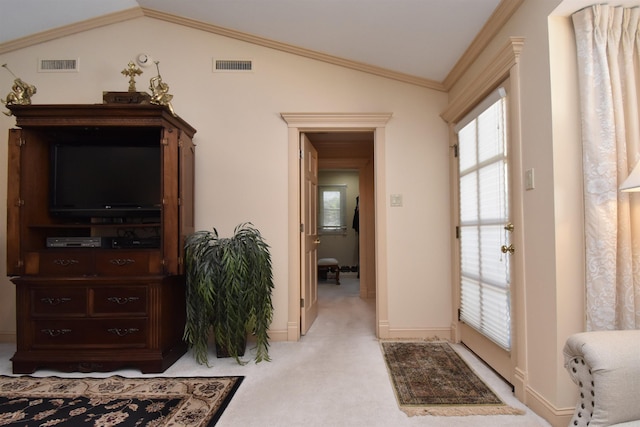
(420, 41)
(422, 38)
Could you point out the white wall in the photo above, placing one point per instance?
(241, 160)
(569, 207)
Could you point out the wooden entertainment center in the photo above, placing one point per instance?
(98, 291)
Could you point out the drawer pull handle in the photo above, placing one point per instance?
(55, 332)
(122, 301)
(65, 262)
(121, 262)
(123, 332)
(54, 301)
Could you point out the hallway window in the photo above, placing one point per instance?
(332, 206)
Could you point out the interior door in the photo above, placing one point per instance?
(170, 195)
(485, 235)
(308, 234)
(186, 151)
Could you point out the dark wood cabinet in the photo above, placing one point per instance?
(98, 292)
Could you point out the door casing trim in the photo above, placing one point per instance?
(339, 122)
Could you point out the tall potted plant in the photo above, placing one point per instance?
(229, 286)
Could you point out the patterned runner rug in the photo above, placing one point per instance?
(430, 378)
(160, 401)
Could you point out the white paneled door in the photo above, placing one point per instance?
(308, 234)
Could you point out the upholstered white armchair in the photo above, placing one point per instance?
(606, 367)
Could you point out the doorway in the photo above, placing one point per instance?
(485, 232)
(334, 151)
(348, 158)
(338, 215)
(310, 123)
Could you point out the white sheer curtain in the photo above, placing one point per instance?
(607, 42)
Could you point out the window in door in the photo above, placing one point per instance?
(332, 209)
(485, 274)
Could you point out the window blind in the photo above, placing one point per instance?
(332, 213)
(484, 270)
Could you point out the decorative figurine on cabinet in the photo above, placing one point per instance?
(21, 92)
(160, 91)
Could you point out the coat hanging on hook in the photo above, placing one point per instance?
(356, 216)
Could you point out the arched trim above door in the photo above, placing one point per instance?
(337, 122)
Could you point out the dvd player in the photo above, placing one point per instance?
(129, 243)
(74, 242)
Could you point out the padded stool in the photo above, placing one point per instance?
(328, 264)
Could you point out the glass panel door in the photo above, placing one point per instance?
(485, 271)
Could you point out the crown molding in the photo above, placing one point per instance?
(500, 16)
(485, 81)
(138, 12)
(67, 30)
(295, 50)
(496, 21)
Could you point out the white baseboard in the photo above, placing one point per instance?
(281, 335)
(420, 333)
(8, 337)
(557, 417)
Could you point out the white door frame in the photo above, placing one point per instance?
(340, 122)
(504, 64)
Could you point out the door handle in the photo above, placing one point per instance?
(506, 249)
(317, 241)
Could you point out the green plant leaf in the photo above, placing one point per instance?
(229, 287)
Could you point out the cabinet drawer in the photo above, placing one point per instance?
(120, 300)
(125, 263)
(53, 301)
(90, 332)
(61, 263)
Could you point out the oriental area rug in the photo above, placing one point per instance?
(430, 378)
(114, 401)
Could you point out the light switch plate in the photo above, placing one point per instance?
(529, 179)
(396, 200)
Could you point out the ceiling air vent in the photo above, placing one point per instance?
(221, 65)
(58, 66)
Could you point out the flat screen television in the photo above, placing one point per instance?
(105, 179)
